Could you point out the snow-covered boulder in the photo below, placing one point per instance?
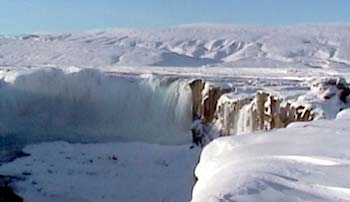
(327, 96)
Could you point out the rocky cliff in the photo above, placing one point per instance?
(219, 112)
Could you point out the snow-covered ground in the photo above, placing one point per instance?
(317, 46)
(133, 172)
(304, 162)
(136, 94)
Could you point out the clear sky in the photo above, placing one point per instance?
(28, 16)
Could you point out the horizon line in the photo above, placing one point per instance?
(141, 28)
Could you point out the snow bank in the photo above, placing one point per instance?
(305, 162)
(87, 105)
(345, 114)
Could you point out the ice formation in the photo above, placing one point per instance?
(88, 105)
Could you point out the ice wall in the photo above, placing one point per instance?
(88, 105)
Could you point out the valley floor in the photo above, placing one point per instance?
(59, 171)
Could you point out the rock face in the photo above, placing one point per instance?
(6, 192)
(228, 112)
(210, 101)
(263, 112)
(217, 112)
(205, 98)
(197, 87)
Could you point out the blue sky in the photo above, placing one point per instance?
(28, 16)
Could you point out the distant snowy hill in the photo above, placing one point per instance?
(317, 46)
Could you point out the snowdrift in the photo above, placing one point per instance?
(304, 162)
(87, 105)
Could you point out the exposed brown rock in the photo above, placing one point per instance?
(228, 112)
(197, 87)
(209, 103)
(261, 98)
(265, 112)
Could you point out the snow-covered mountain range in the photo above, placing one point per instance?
(317, 46)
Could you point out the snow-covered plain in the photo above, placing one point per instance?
(130, 85)
(316, 46)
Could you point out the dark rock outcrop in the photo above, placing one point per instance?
(11, 156)
(6, 192)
